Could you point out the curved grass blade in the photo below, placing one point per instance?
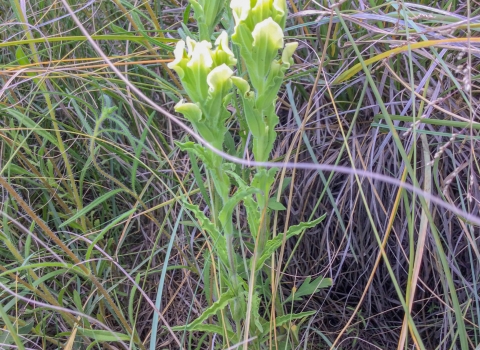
(404, 48)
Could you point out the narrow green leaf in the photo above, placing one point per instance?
(118, 30)
(91, 206)
(10, 328)
(132, 300)
(114, 37)
(308, 287)
(21, 56)
(256, 312)
(225, 215)
(186, 14)
(281, 320)
(275, 243)
(274, 205)
(217, 306)
(71, 268)
(30, 124)
(198, 177)
(105, 230)
(103, 336)
(296, 229)
(218, 240)
(209, 328)
(139, 149)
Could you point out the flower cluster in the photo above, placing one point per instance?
(205, 74)
(259, 34)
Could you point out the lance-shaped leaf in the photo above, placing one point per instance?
(273, 244)
(282, 320)
(208, 328)
(217, 306)
(257, 320)
(225, 215)
(263, 146)
(217, 239)
(263, 180)
(261, 123)
(275, 77)
(308, 287)
(252, 115)
(244, 40)
(251, 207)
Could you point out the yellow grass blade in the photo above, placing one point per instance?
(413, 46)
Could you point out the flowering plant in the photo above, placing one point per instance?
(208, 76)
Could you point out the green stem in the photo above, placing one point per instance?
(204, 31)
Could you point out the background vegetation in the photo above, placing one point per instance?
(96, 248)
